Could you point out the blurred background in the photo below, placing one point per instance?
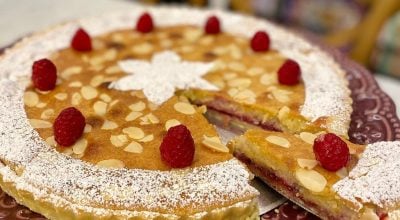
(367, 30)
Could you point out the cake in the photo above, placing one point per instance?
(103, 119)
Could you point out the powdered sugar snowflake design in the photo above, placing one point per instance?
(159, 78)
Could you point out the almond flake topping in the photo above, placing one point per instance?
(171, 123)
(214, 143)
(31, 99)
(279, 141)
(184, 108)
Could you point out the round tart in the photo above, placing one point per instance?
(132, 87)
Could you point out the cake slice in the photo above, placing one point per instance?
(358, 183)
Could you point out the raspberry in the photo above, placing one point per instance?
(81, 41)
(212, 25)
(331, 151)
(289, 73)
(145, 23)
(44, 75)
(177, 147)
(68, 126)
(260, 42)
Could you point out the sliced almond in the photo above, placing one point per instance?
(214, 143)
(31, 99)
(100, 108)
(311, 180)
(206, 40)
(152, 118)
(279, 141)
(51, 141)
(109, 125)
(75, 84)
(87, 129)
(111, 163)
(119, 140)
(184, 108)
(41, 105)
(138, 106)
(268, 79)
(110, 54)
(254, 71)
(308, 137)
(113, 69)
(61, 96)
(171, 123)
(97, 80)
(47, 114)
(114, 103)
(239, 82)
(89, 92)
(281, 96)
(246, 96)
(307, 163)
(144, 48)
(134, 147)
(202, 109)
(192, 35)
(76, 98)
(237, 66)
(133, 115)
(80, 146)
(105, 97)
(147, 138)
(134, 132)
(342, 173)
(166, 43)
(36, 123)
(71, 71)
(283, 112)
(235, 52)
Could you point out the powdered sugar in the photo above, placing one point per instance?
(160, 78)
(376, 177)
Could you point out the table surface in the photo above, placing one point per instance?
(21, 17)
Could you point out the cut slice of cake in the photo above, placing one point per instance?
(359, 182)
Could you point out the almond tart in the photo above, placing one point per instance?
(89, 107)
(365, 187)
(79, 140)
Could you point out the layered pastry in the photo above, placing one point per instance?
(324, 173)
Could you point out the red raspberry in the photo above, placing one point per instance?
(177, 147)
(331, 151)
(81, 41)
(145, 23)
(289, 73)
(212, 25)
(260, 42)
(68, 126)
(44, 75)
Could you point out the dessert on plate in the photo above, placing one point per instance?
(103, 118)
(328, 175)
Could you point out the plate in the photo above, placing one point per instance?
(374, 119)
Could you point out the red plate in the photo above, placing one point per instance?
(374, 119)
